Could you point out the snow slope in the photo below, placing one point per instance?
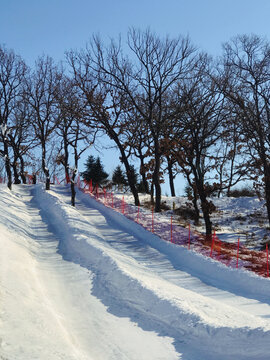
(87, 283)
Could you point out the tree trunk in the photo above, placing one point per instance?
(47, 183)
(66, 165)
(205, 205)
(22, 170)
(74, 173)
(206, 210)
(44, 168)
(73, 192)
(7, 166)
(158, 193)
(142, 172)
(131, 182)
(156, 180)
(171, 179)
(152, 193)
(15, 172)
(195, 204)
(194, 199)
(206, 216)
(220, 181)
(267, 188)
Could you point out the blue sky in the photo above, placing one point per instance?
(34, 27)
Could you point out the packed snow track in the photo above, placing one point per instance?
(86, 283)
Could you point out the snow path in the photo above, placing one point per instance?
(122, 293)
(47, 310)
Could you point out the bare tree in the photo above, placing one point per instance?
(41, 94)
(153, 69)
(197, 130)
(139, 141)
(245, 81)
(21, 138)
(12, 73)
(75, 136)
(106, 109)
(230, 160)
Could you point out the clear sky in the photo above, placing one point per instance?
(34, 27)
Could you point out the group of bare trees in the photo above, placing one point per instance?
(40, 119)
(158, 99)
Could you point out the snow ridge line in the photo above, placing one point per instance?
(184, 327)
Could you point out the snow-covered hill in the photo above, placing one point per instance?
(87, 283)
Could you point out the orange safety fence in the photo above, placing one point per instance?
(231, 254)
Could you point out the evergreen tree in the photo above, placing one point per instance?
(90, 163)
(118, 177)
(95, 171)
(134, 175)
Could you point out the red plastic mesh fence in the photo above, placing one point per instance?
(230, 254)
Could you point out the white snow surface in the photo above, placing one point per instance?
(87, 283)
